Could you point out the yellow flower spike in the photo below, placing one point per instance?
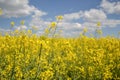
(22, 22)
(16, 31)
(47, 31)
(85, 30)
(53, 24)
(59, 18)
(29, 31)
(98, 24)
(12, 24)
(1, 12)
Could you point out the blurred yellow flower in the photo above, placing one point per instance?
(12, 24)
(98, 24)
(47, 31)
(85, 30)
(53, 24)
(22, 22)
(1, 12)
(59, 17)
(16, 31)
(29, 31)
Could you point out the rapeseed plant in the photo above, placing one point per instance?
(51, 29)
(98, 31)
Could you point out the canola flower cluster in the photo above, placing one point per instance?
(31, 57)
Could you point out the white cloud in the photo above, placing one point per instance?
(110, 23)
(22, 27)
(94, 14)
(110, 7)
(18, 8)
(89, 25)
(90, 17)
(38, 22)
(73, 16)
(69, 29)
(68, 25)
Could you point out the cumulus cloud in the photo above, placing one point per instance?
(94, 14)
(70, 29)
(110, 23)
(18, 8)
(68, 25)
(73, 16)
(38, 23)
(90, 17)
(110, 7)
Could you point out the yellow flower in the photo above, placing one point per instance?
(53, 24)
(47, 31)
(12, 24)
(98, 24)
(59, 17)
(1, 12)
(85, 30)
(46, 75)
(22, 22)
(16, 31)
(29, 31)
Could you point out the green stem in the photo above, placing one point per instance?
(55, 30)
(39, 63)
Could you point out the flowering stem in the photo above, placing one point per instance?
(55, 29)
(13, 68)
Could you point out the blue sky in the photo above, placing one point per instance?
(77, 14)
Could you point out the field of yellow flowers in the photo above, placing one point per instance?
(29, 57)
(26, 56)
